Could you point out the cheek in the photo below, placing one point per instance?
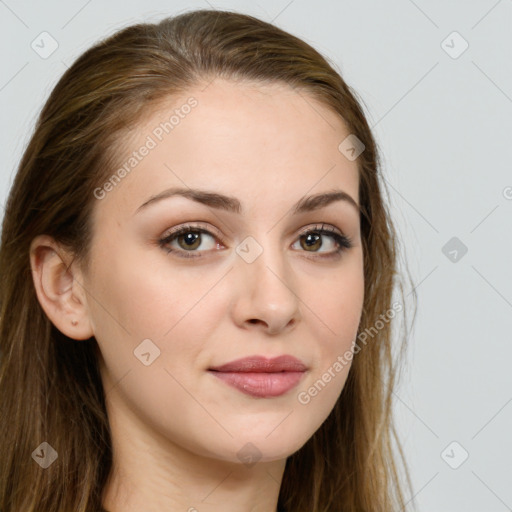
(339, 310)
(336, 303)
(334, 312)
(334, 320)
(144, 296)
(137, 300)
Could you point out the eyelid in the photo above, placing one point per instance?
(200, 226)
(320, 227)
(342, 241)
(204, 227)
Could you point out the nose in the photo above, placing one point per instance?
(265, 299)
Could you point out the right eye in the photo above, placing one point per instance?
(189, 239)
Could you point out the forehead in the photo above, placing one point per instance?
(246, 139)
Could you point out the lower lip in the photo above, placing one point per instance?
(261, 385)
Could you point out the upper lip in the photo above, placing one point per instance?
(261, 364)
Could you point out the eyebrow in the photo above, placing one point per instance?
(232, 204)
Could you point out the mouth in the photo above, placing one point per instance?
(261, 377)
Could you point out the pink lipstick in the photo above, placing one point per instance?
(261, 377)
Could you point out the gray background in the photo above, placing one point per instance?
(443, 121)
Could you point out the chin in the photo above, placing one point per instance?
(278, 445)
(255, 447)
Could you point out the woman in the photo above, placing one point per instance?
(206, 324)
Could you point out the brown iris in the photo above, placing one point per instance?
(192, 240)
(310, 241)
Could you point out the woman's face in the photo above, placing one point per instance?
(259, 280)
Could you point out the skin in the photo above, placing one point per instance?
(177, 429)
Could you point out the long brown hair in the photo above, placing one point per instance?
(51, 389)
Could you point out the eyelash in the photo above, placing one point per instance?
(344, 242)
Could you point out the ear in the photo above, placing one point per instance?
(59, 288)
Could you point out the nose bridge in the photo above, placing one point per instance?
(266, 291)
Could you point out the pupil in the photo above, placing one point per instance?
(191, 239)
(309, 239)
(313, 240)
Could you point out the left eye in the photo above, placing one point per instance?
(312, 241)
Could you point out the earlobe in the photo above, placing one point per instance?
(59, 288)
